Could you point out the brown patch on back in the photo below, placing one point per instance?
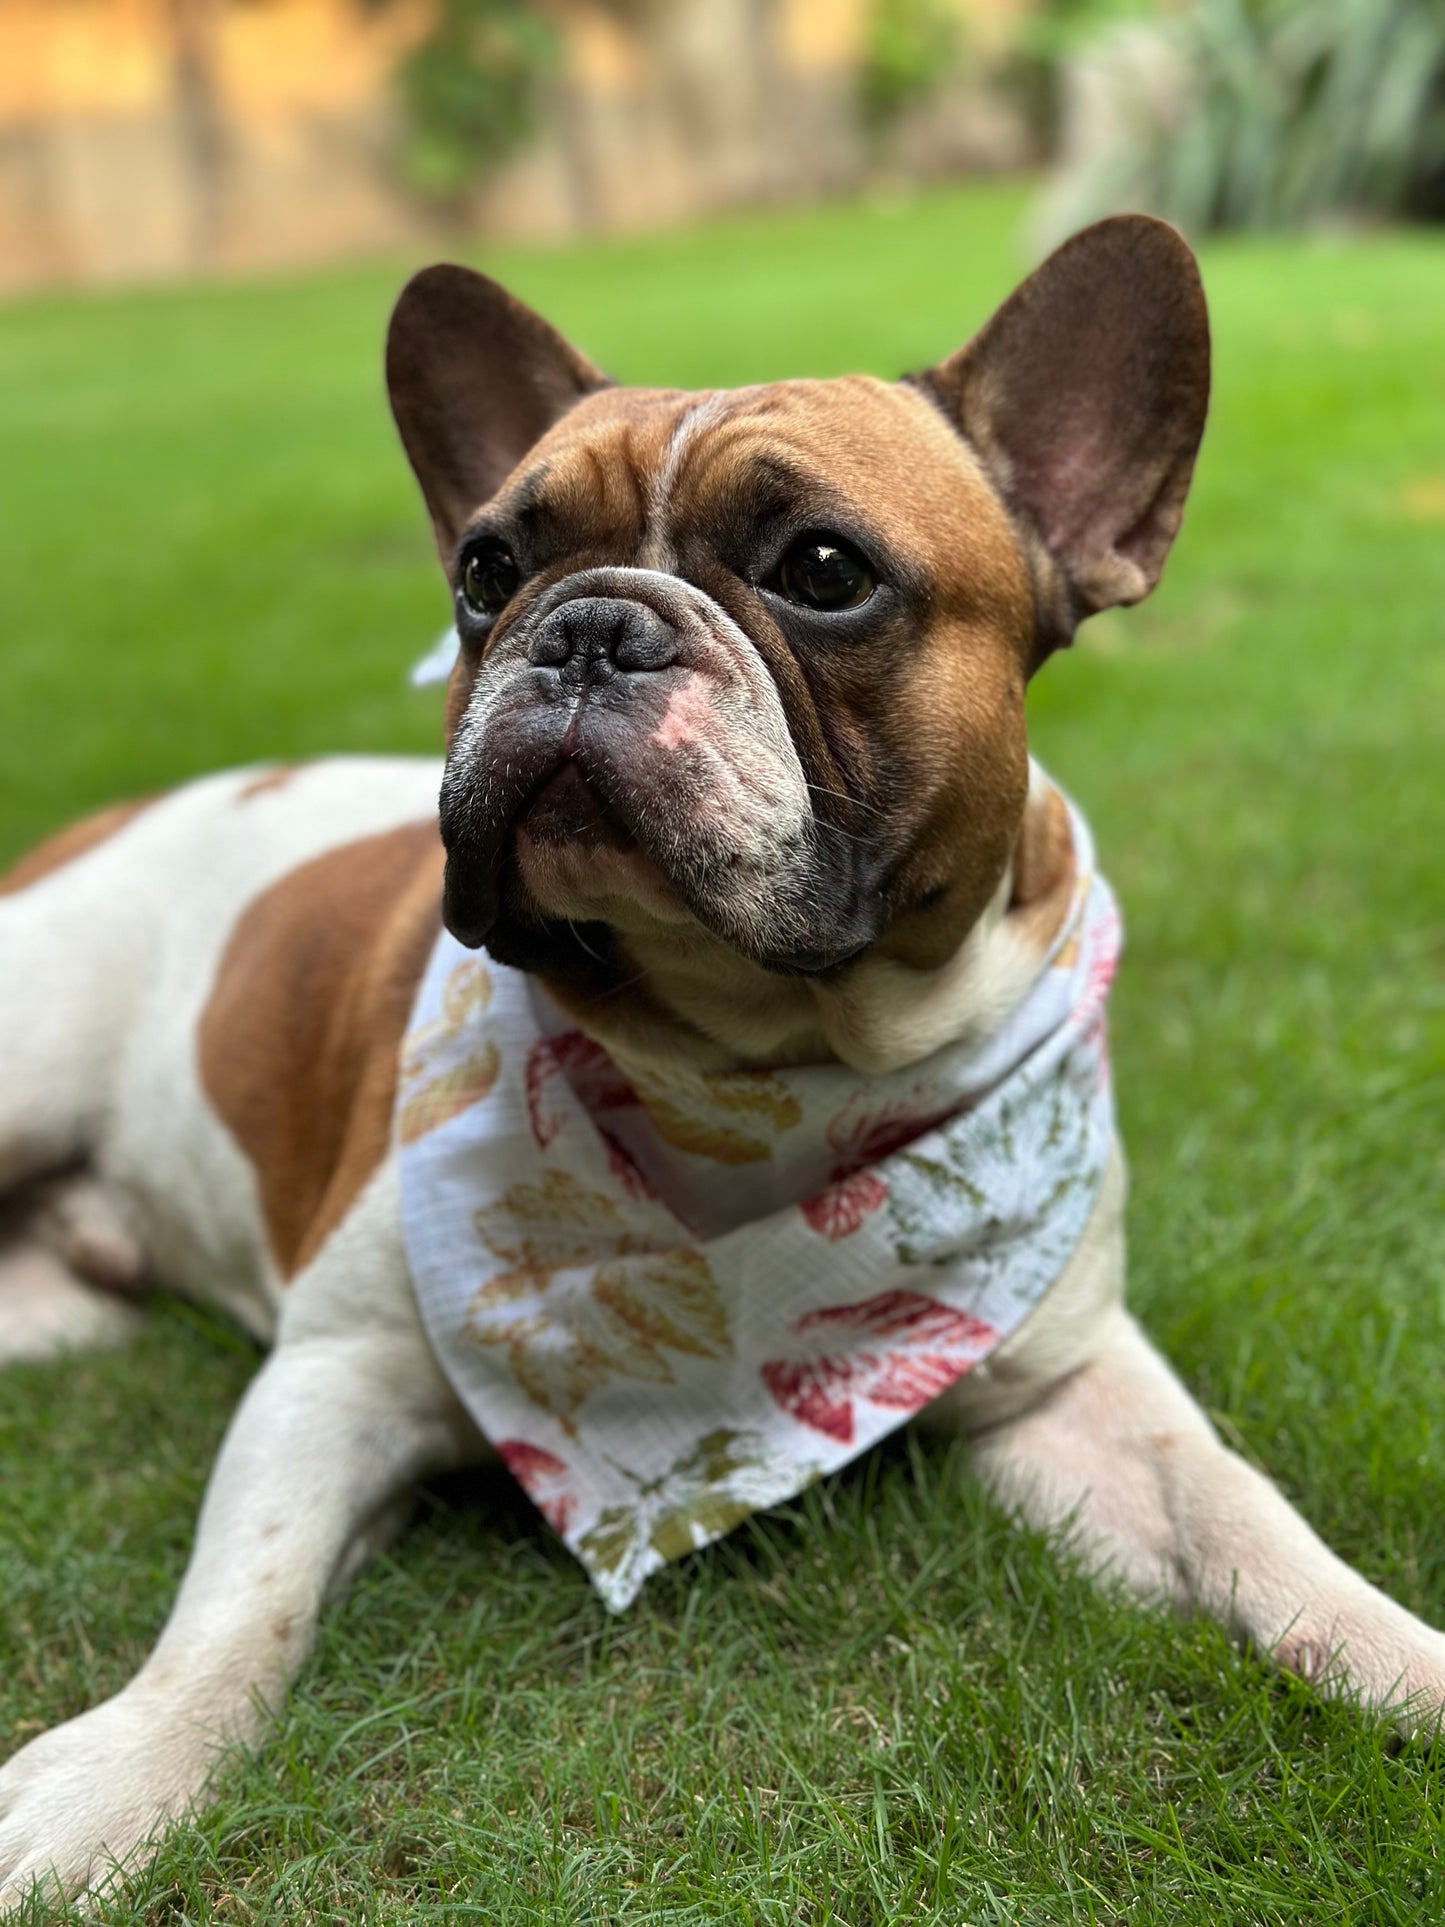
(299, 1042)
(268, 780)
(75, 841)
(1045, 869)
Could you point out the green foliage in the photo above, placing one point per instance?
(1051, 31)
(1269, 113)
(469, 91)
(882, 1705)
(911, 47)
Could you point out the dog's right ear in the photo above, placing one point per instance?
(475, 379)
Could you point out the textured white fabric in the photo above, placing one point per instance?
(670, 1301)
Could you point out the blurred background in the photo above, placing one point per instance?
(165, 137)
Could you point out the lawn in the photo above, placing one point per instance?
(885, 1703)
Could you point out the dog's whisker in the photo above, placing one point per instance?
(628, 983)
(837, 829)
(594, 955)
(854, 802)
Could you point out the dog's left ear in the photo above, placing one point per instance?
(1085, 397)
(475, 379)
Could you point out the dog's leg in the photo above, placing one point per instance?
(91, 1225)
(46, 1310)
(332, 1430)
(70, 1248)
(1120, 1453)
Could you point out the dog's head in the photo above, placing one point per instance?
(746, 669)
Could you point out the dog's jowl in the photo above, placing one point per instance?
(699, 1074)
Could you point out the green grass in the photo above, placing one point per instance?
(884, 1704)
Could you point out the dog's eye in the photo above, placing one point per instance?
(824, 572)
(489, 579)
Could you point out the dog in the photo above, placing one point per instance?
(737, 777)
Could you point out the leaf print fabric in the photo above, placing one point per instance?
(840, 1210)
(913, 1348)
(870, 1127)
(543, 1477)
(673, 1299)
(710, 1488)
(568, 1332)
(446, 1066)
(732, 1118)
(572, 1059)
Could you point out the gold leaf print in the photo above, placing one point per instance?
(568, 1330)
(448, 1095)
(558, 1370)
(610, 1542)
(670, 1300)
(450, 1066)
(466, 993)
(550, 1225)
(708, 1489)
(732, 1117)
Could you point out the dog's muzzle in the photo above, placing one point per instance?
(626, 709)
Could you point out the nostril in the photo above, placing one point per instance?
(551, 645)
(643, 641)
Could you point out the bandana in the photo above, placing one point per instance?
(672, 1298)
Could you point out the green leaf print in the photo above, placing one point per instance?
(706, 1491)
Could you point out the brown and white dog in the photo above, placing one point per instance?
(737, 766)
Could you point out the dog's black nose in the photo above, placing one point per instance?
(595, 637)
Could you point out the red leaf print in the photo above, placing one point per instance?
(838, 1211)
(805, 1393)
(620, 1164)
(536, 1470)
(544, 1116)
(906, 1383)
(865, 1131)
(928, 1345)
(1103, 964)
(576, 1060)
(902, 1314)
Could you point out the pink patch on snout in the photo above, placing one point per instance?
(688, 712)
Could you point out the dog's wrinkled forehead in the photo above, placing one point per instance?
(668, 480)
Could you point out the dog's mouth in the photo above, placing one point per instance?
(566, 837)
(568, 849)
(568, 808)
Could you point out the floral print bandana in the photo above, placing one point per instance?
(670, 1299)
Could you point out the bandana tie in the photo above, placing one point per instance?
(671, 1299)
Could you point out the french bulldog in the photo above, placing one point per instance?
(737, 772)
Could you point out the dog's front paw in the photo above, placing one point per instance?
(1377, 1654)
(94, 1793)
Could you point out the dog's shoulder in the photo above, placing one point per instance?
(299, 1039)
